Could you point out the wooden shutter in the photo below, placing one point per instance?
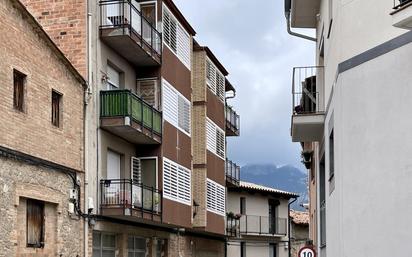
(149, 91)
(136, 170)
(35, 223)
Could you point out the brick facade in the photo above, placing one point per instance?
(66, 23)
(31, 131)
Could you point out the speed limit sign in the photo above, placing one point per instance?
(307, 252)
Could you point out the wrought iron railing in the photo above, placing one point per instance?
(124, 15)
(307, 85)
(400, 3)
(123, 103)
(232, 119)
(263, 225)
(232, 172)
(128, 194)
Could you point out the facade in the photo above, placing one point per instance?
(353, 134)
(41, 142)
(299, 230)
(144, 177)
(257, 221)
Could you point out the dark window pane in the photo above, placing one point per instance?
(56, 97)
(18, 89)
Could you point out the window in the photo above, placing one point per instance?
(113, 165)
(104, 245)
(242, 249)
(215, 197)
(215, 80)
(273, 250)
(215, 139)
(56, 108)
(331, 162)
(113, 80)
(243, 205)
(18, 90)
(136, 246)
(176, 108)
(322, 200)
(35, 223)
(176, 37)
(161, 248)
(176, 182)
(330, 6)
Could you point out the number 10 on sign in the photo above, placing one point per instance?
(307, 252)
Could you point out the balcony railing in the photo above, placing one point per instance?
(232, 122)
(122, 14)
(232, 226)
(263, 225)
(306, 88)
(130, 197)
(400, 3)
(123, 103)
(232, 172)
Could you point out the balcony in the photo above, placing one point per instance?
(129, 117)
(251, 225)
(232, 122)
(232, 173)
(303, 12)
(125, 30)
(308, 116)
(124, 197)
(402, 14)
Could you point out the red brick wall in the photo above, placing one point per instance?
(65, 22)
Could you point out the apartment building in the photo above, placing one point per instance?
(41, 141)
(142, 184)
(257, 221)
(350, 114)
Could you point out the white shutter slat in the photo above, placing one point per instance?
(136, 170)
(170, 103)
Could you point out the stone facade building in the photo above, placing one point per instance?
(299, 230)
(41, 141)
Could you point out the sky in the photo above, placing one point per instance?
(250, 39)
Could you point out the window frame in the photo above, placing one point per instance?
(58, 122)
(101, 248)
(135, 250)
(19, 100)
(242, 205)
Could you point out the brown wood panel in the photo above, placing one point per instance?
(215, 168)
(177, 213)
(176, 73)
(215, 223)
(215, 109)
(177, 146)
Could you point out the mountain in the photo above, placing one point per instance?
(286, 177)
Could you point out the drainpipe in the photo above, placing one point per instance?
(288, 6)
(289, 245)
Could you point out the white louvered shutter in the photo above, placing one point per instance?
(210, 136)
(169, 29)
(136, 170)
(170, 104)
(215, 197)
(184, 114)
(176, 182)
(211, 76)
(220, 142)
(183, 46)
(220, 86)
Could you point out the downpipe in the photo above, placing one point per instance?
(289, 220)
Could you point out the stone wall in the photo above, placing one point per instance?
(20, 181)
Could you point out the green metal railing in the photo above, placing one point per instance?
(123, 103)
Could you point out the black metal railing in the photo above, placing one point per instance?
(232, 226)
(263, 225)
(123, 103)
(128, 194)
(400, 3)
(306, 88)
(232, 172)
(124, 15)
(232, 119)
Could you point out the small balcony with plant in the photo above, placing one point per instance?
(308, 115)
(402, 14)
(125, 29)
(128, 116)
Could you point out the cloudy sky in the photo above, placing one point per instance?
(250, 39)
